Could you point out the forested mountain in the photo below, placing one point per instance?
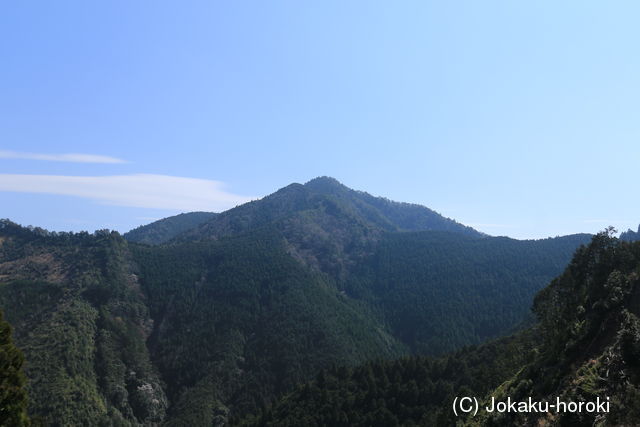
(243, 305)
(165, 229)
(222, 319)
(325, 224)
(586, 345)
(437, 284)
(326, 197)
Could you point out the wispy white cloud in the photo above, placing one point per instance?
(71, 157)
(139, 190)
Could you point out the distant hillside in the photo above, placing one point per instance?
(439, 291)
(163, 230)
(630, 235)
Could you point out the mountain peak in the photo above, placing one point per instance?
(325, 183)
(324, 180)
(331, 206)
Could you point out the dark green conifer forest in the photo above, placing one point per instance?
(317, 305)
(585, 345)
(13, 396)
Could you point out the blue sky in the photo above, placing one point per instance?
(517, 118)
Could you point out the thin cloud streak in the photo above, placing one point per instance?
(139, 190)
(70, 157)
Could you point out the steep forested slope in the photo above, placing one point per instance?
(165, 229)
(13, 394)
(439, 291)
(586, 345)
(238, 321)
(590, 331)
(81, 320)
(409, 391)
